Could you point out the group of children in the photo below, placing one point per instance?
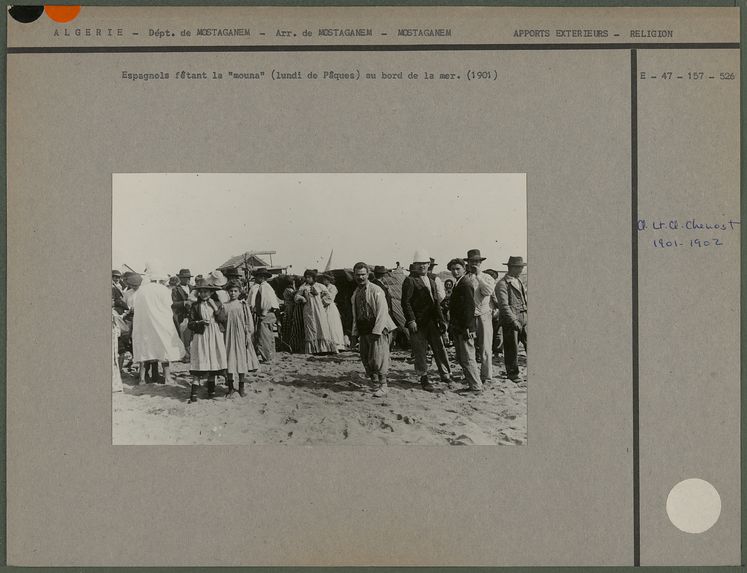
(221, 339)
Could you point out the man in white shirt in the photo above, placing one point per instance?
(263, 302)
(483, 285)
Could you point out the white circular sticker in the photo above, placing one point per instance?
(693, 505)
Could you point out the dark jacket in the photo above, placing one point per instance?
(462, 307)
(178, 298)
(418, 305)
(195, 318)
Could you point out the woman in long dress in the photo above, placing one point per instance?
(315, 299)
(292, 328)
(240, 355)
(333, 313)
(207, 349)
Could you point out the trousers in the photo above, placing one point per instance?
(429, 335)
(465, 355)
(374, 352)
(485, 343)
(511, 340)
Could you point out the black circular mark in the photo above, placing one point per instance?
(26, 14)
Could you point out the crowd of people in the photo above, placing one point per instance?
(228, 325)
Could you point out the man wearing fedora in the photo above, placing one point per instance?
(180, 305)
(264, 303)
(512, 302)
(424, 320)
(483, 285)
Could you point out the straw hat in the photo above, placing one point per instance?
(217, 279)
(203, 283)
(421, 256)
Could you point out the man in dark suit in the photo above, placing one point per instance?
(180, 305)
(462, 323)
(512, 303)
(424, 320)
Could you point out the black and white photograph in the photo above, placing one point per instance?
(319, 309)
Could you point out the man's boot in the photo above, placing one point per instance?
(382, 388)
(427, 386)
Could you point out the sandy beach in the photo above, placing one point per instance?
(308, 400)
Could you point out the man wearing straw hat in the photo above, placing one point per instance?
(424, 319)
(512, 302)
(483, 285)
(263, 302)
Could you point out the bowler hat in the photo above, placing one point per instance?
(515, 262)
(262, 273)
(380, 270)
(203, 283)
(185, 273)
(474, 254)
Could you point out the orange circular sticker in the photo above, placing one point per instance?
(62, 13)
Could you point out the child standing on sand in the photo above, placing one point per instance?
(208, 349)
(240, 354)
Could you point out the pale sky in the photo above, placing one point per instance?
(201, 220)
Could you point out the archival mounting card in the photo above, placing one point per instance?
(588, 158)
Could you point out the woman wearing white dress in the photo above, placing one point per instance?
(333, 313)
(315, 299)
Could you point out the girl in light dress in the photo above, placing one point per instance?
(208, 348)
(333, 313)
(240, 354)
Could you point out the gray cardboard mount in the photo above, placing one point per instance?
(634, 367)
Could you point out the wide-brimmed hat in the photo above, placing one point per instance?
(185, 273)
(204, 283)
(421, 256)
(134, 279)
(232, 273)
(515, 262)
(380, 270)
(262, 273)
(116, 273)
(474, 254)
(455, 262)
(217, 279)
